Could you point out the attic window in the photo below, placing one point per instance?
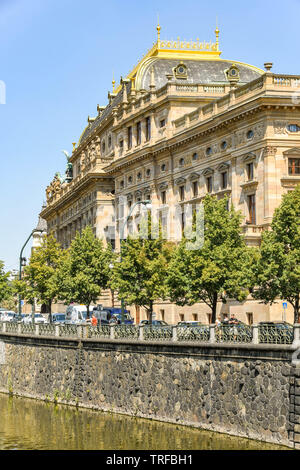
(181, 71)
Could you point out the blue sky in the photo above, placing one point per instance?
(57, 58)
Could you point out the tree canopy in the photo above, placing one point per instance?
(219, 268)
(278, 269)
(140, 276)
(85, 269)
(5, 285)
(39, 279)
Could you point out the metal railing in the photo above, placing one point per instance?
(193, 333)
(233, 334)
(283, 334)
(267, 334)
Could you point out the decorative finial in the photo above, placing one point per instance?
(217, 32)
(113, 82)
(74, 146)
(268, 66)
(158, 31)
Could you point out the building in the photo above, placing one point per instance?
(183, 123)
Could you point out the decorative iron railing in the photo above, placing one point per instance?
(69, 331)
(281, 333)
(46, 329)
(275, 334)
(233, 334)
(158, 333)
(126, 331)
(27, 328)
(193, 333)
(12, 327)
(102, 331)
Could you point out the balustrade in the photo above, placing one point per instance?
(263, 333)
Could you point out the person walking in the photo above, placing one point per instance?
(94, 321)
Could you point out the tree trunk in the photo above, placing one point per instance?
(296, 310)
(88, 311)
(50, 311)
(150, 313)
(214, 308)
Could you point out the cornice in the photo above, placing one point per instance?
(83, 183)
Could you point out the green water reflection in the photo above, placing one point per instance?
(28, 424)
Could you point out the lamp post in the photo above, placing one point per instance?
(144, 203)
(22, 262)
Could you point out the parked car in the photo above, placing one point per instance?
(8, 316)
(154, 323)
(117, 319)
(58, 318)
(38, 318)
(76, 314)
(190, 323)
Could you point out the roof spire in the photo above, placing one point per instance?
(158, 31)
(217, 32)
(113, 82)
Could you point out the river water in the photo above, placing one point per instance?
(34, 425)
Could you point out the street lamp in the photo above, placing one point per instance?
(146, 203)
(22, 261)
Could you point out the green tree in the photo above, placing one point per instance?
(40, 275)
(85, 269)
(278, 269)
(140, 276)
(5, 285)
(218, 269)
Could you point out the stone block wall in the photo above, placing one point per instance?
(245, 390)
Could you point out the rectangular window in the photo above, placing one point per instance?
(163, 197)
(209, 184)
(121, 145)
(138, 133)
(294, 166)
(162, 123)
(162, 314)
(250, 318)
(148, 128)
(181, 317)
(250, 172)
(181, 193)
(195, 188)
(224, 177)
(252, 209)
(129, 137)
(195, 316)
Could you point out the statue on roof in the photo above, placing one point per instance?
(69, 169)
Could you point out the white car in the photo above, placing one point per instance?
(8, 316)
(76, 314)
(38, 318)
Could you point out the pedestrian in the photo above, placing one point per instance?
(218, 321)
(225, 319)
(94, 320)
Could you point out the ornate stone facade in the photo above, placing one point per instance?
(183, 123)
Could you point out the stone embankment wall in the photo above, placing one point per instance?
(245, 390)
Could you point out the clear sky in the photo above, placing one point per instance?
(57, 58)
